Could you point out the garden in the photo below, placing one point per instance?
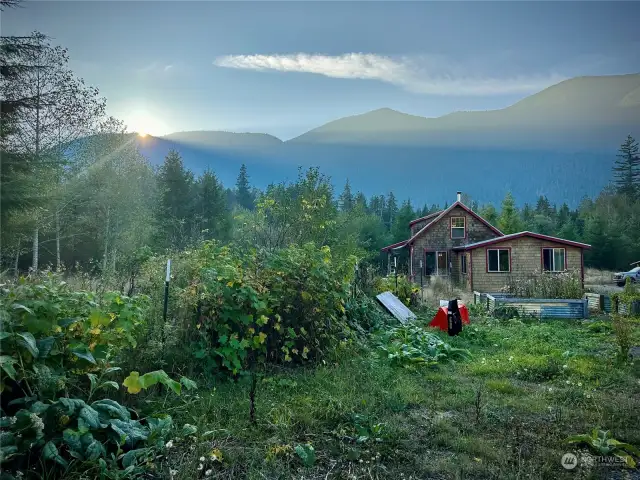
(283, 366)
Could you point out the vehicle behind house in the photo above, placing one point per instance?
(620, 278)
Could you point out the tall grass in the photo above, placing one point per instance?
(547, 285)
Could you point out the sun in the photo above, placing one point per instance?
(146, 123)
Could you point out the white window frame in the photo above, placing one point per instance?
(498, 250)
(464, 228)
(553, 259)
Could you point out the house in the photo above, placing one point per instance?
(459, 244)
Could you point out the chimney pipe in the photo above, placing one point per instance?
(459, 196)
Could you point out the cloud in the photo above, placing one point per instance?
(426, 74)
(168, 67)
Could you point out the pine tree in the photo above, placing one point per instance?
(543, 207)
(360, 202)
(489, 213)
(527, 216)
(391, 211)
(400, 229)
(626, 169)
(509, 220)
(175, 207)
(244, 197)
(346, 198)
(211, 206)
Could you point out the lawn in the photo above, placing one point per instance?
(503, 414)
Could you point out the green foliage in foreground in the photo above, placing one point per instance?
(508, 410)
(602, 443)
(58, 349)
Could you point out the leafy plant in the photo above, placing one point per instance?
(407, 291)
(307, 454)
(135, 383)
(410, 345)
(602, 442)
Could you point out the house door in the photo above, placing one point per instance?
(431, 267)
(443, 264)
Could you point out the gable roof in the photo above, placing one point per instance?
(426, 217)
(443, 213)
(513, 236)
(394, 245)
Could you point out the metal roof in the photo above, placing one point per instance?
(513, 236)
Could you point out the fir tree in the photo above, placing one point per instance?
(489, 213)
(175, 205)
(360, 202)
(391, 211)
(244, 197)
(211, 206)
(400, 229)
(346, 198)
(626, 169)
(509, 220)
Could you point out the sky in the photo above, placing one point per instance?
(285, 67)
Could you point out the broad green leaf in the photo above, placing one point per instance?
(132, 431)
(4, 335)
(307, 454)
(188, 429)
(38, 408)
(65, 322)
(72, 439)
(71, 405)
(110, 383)
(91, 417)
(50, 452)
(19, 306)
(44, 346)
(130, 458)
(84, 353)
(7, 452)
(27, 340)
(93, 378)
(188, 383)
(132, 382)
(95, 450)
(7, 363)
(112, 369)
(111, 409)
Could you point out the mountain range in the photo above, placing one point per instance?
(560, 142)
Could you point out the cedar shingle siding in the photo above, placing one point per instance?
(438, 238)
(526, 259)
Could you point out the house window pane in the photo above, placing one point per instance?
(547, 259)
(463, 263)
(457, 227)
(504, 260)
(558, 259)
(493, 260)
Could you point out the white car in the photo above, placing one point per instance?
(620, 278)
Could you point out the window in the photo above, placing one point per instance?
(458, 227)
(443, 264)
(463, 263)
(553, 259)
(498, 260)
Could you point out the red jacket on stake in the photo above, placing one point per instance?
(440, 320)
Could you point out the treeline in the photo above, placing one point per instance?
(76, 192)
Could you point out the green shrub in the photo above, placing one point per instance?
(236, 309)
(407, 292)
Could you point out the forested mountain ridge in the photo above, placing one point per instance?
(557, 143)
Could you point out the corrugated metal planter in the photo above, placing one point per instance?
(508, 306)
